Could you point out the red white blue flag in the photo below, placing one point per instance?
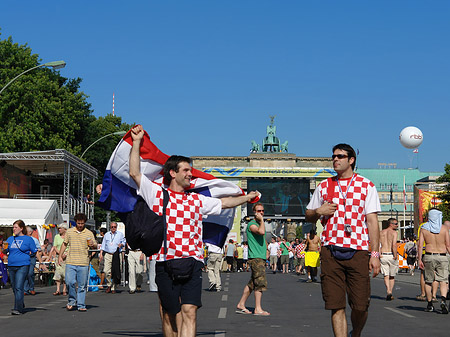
(119, 189)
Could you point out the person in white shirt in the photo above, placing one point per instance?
(273, 254)
(112, 241)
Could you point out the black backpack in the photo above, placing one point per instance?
(412, 252)
(144, 229)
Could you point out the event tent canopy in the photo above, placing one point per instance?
(33, 212)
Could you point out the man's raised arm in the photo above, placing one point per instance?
(137, 133)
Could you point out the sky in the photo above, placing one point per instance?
(204, 77)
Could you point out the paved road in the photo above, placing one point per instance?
(296, 307)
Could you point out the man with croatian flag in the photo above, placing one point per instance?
(185, 213)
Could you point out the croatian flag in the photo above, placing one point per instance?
(119, 189)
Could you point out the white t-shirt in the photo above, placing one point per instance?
(273, 248)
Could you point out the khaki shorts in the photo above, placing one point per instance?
(436, 268)
(273, 259)
(258, 279)
(341, 277)
(389, 266)
(284, 259)
(60, 272)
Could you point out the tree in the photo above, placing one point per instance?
(445, 196)
(98, 155)
(41, 110)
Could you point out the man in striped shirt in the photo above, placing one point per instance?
(79, 239)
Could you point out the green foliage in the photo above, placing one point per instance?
(98, 154)
(41, 110)
(445, 196)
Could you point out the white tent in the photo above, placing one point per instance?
(33, 212)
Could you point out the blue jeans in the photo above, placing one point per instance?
(17, 276)
(77, 275)
(29, 282)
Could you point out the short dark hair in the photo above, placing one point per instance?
(172, 164)
(350, 152)
(391, 220)
(257, 204)
(103, 230)
(80, 216)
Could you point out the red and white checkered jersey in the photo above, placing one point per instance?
(361, 199)
(300, 250)
(184, 215)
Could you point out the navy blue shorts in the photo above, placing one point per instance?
(173, 294)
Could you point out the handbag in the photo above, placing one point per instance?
(180, 270)
(341, 253)
(144, 228)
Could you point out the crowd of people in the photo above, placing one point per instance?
(350, 249)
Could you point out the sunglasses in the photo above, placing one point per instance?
(339, 156)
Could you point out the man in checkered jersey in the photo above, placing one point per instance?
(179, 301)
(348, 205)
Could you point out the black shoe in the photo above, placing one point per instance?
(389, 297)
(212, 287)
(429, 308)
(444, 309)
(15, 312)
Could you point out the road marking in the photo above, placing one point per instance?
(222, 313)
(399, 312)
(219, 334)
(227, 283)
(224, 298)
(225, 289)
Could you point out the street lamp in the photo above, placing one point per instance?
(55, 65)
(121, 133)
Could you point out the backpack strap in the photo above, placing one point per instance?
(165, 202)
(331, 184)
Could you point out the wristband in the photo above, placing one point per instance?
(374, 254)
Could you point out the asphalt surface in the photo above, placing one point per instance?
(296, 309)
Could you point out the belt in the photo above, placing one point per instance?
(386, 253)
(441, 254)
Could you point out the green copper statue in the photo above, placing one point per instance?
(271, 143)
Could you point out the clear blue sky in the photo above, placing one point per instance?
(203, 77)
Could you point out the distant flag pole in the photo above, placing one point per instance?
(113, 103)
(416, 151)
(404, 203)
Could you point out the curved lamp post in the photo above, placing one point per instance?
(121, 133)
(54, 65)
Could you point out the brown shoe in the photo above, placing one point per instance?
(113, 291)
(108, 290)
(32, 292)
